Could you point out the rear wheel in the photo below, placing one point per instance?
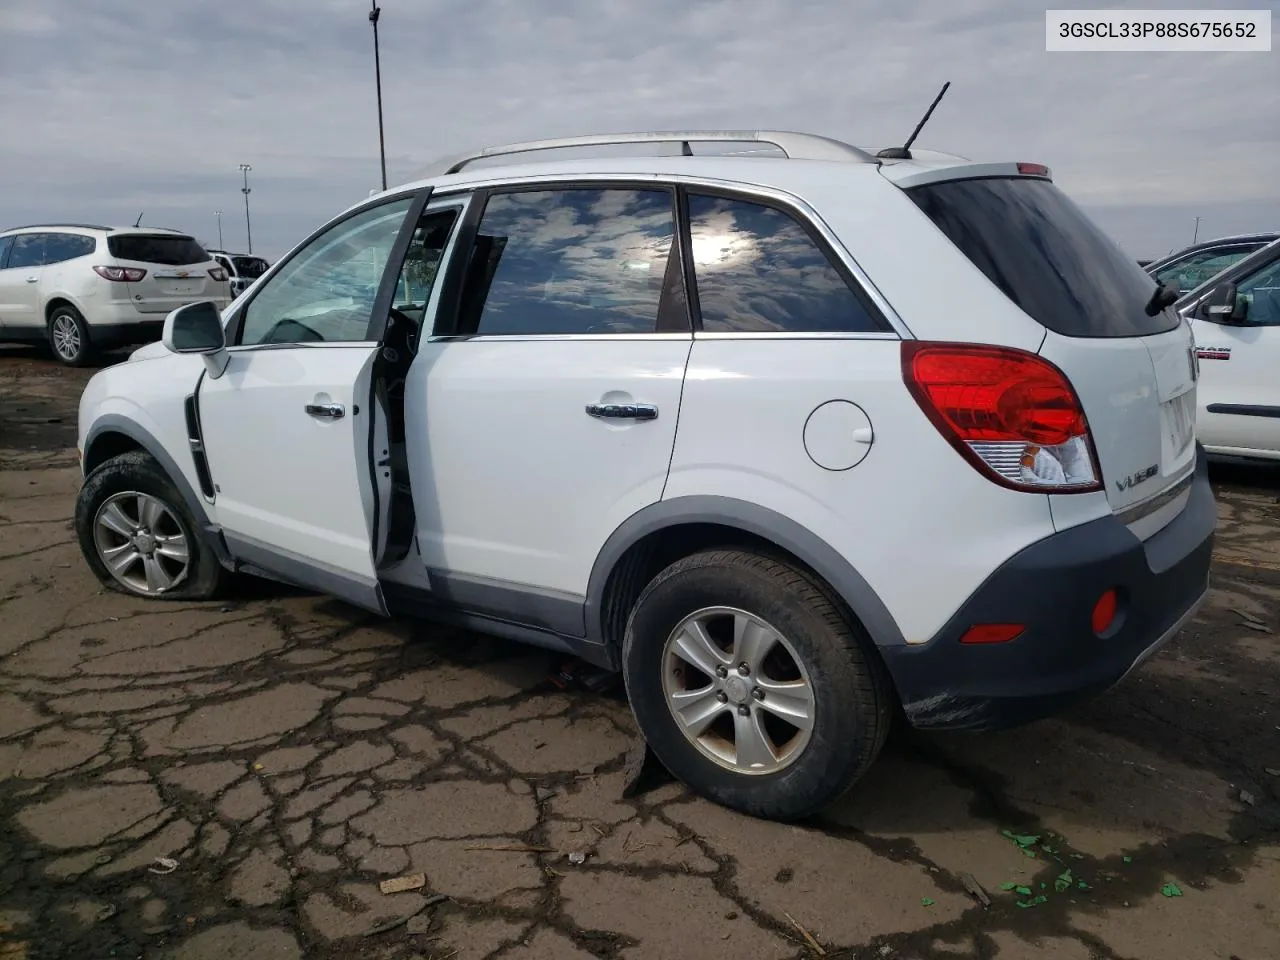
(69, 336)
(751, 686)
(139, 537)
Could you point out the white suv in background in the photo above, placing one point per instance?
(795, 442)
(84, 288)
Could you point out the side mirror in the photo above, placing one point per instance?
(1225, 305)
(197, 328)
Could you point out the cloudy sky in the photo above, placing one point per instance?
(143, 105)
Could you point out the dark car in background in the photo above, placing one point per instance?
(1191, 266)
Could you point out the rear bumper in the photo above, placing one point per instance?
(119, 323)
(1051, 588)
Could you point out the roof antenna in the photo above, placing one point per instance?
(904, 152)
(138, 222)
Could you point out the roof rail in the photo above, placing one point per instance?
(796, 146)
(50, 226)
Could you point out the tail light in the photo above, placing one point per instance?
(120, 274)
(218, 274)
(1011, 414)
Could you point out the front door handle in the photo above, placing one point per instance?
(623, 411)
(33, 279)
(327, 411)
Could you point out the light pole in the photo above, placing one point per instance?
(1197, 231)
(218, 214)
(374, 13)
(248, 230)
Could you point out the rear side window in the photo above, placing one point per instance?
(758, 270)
(59, 247)
(249, 267)
(5, 244)
(1040, 249)
(170, 250)
(574, 261)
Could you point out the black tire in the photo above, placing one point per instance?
(853, 699)
(68, 317)
(136, 471)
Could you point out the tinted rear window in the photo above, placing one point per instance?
(173, 251)
(250, 267)
(1040, 249)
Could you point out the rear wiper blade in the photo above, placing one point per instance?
(1164, 297)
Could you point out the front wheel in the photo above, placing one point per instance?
(138, 535)
(751, 686)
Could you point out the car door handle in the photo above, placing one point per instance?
(328, 411)
(623, 411)
(33, 279)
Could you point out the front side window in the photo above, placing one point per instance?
(1199, 267)
(574, 261)
(1262, 293)
(325, 293)
(422, 262)
(758, 270)
(60, 247)
(27, 250)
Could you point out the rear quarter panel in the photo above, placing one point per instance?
(919, 524)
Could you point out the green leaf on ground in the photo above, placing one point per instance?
(1171, 890)
(1022, 839)
(926, 902)
(1034, 902)
(1063, 881)
(1028, 853)
(1008, 886)
(1127, 859)
(1022, 891)
(1082, 885)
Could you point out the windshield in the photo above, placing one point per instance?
(1051, 260)
(163, 248)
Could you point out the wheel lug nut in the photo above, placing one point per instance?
(721, 672)
(743, 669)
(722, 697)
(744, 711)
(758, 693)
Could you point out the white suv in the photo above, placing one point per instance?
(82, 288)
(794, 442)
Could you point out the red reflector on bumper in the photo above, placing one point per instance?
(992, 633)
(1104, 611)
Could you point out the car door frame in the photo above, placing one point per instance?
(233, 325)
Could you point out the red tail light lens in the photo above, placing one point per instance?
(1012, 414)
(1033, 170)
(120, 274)
(218, 274)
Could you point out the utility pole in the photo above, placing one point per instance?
(1197, 232)
(374, 13)
(218, 214)
(244, 169)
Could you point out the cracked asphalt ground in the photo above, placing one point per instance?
(289, 752)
